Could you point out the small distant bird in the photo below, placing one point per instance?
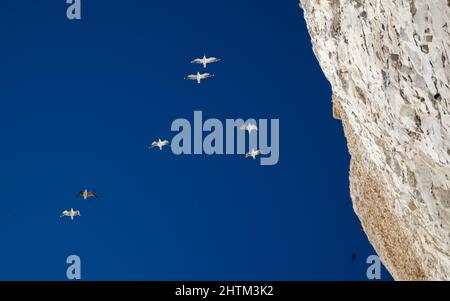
(160, 143)
(199, 76)
(205, 61)
(253, 153)
(249, 127)
(87, 194)
(72, 213)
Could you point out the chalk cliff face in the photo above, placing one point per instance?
(388, 64)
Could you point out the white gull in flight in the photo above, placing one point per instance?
(160, 143)
(71, 213)
(205, 61)
(253, 153)
(199, 76)
(249, 127)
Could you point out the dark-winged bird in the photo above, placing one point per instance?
(87, 194)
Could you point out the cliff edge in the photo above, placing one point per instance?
(388, 65)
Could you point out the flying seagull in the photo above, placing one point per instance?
(87, 194)
(249, 127)
(253, 153)
(72, 213)
(199, 76)
(159, 144)
(205, 61)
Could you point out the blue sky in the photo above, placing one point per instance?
(80, 102)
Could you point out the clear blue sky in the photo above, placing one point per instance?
(80, 102)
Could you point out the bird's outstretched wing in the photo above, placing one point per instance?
(64, 213)
(212, 60)
(165, 142)
(91, 193)
(243, 127)
(197, 61)
(206, 75)
(191, 77)
(248, 155)
(154, 144)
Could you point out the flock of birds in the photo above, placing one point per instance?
(245, 127)
(72, 213)
(250, 127)
(198, 77)
(204, 61)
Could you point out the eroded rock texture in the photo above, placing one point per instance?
(388, 64)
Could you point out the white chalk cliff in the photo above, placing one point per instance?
(388, 65)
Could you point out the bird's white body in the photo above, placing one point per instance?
(253, 153)
(205, 61)
(71, 213)
(199, 76)
(160, 143)
(250, 127)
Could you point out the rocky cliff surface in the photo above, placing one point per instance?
(388, 65)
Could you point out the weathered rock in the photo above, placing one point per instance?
(388, 64)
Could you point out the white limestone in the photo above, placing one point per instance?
(388, 64)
